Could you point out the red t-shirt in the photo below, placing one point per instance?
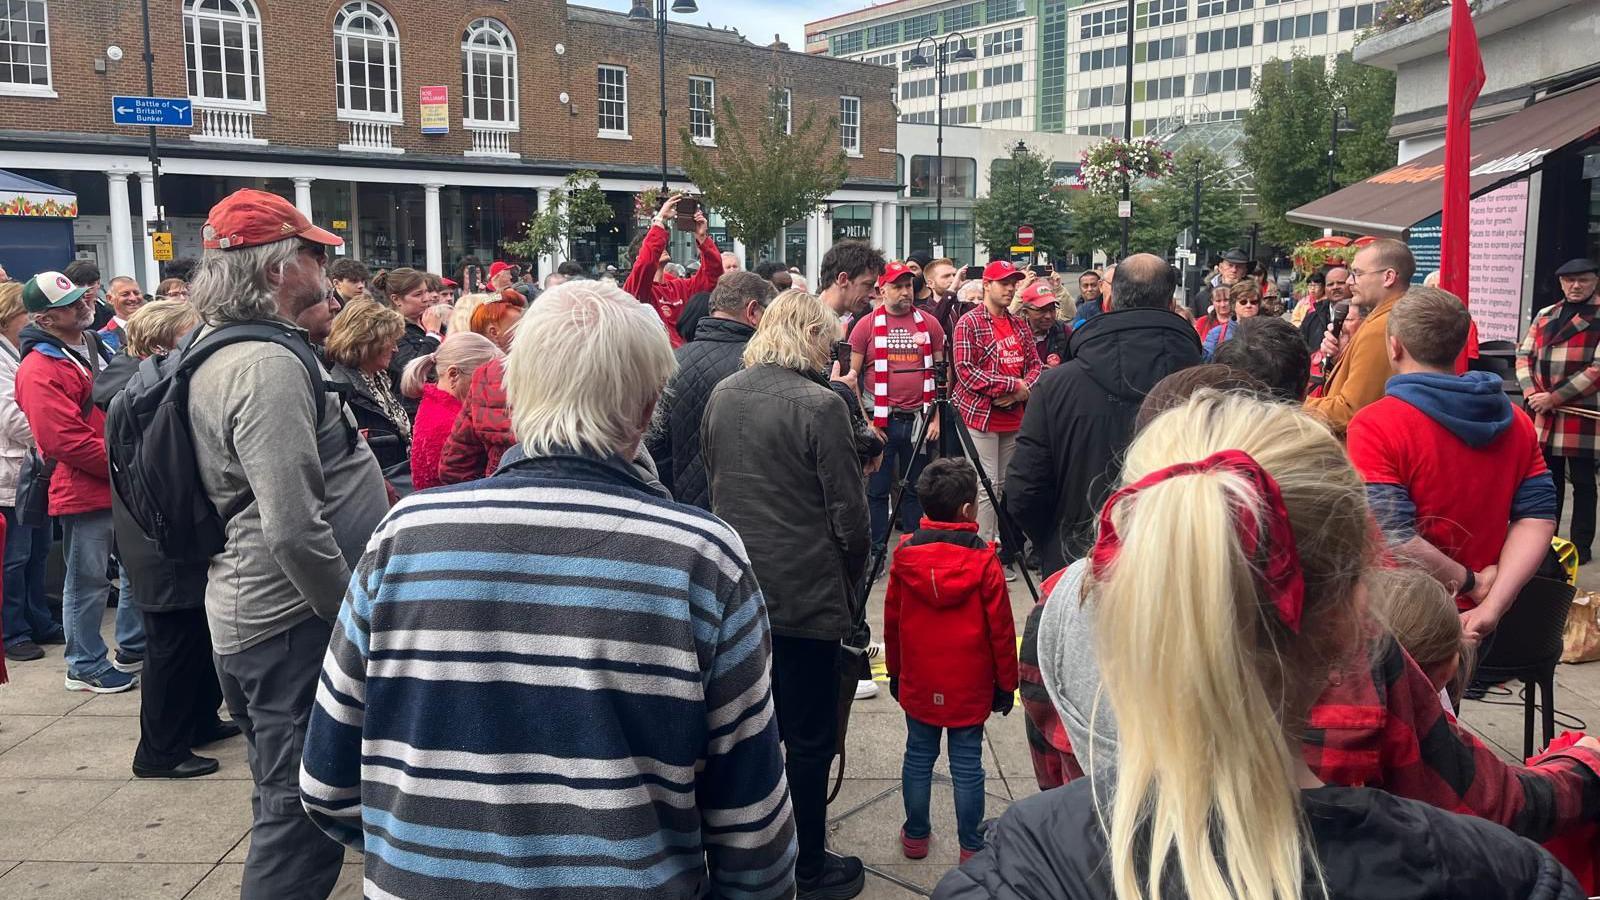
(1009, 362)
(1463, 495)
(906, 375)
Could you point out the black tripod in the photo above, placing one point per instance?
(949, 423)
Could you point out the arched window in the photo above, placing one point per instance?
(489, 73)
(366, 61)
(222, 49)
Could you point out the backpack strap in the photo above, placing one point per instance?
(200, 347)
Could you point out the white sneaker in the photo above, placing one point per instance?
(866, 690)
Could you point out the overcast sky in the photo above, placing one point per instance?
(757, 20)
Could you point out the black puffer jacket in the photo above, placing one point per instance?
(1371, 845)
(783, 471)
(414, 343)
(714, 354)
(1079, 421)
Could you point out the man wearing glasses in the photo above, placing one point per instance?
(1379, 275)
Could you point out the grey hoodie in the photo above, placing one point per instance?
(1071, 671)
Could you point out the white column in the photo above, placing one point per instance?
(879, 235)
(302, 195)
(739, 254)
(816, 245)
(430, 222)
(547, 261)
(147, 208)
(121, 227)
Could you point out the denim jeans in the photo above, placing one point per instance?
(25, 613)
(966, 770)
(897, 450)
(87, 539)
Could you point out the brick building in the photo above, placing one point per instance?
(320, 100)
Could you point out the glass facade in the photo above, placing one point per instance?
(958, 240)
(852, 221)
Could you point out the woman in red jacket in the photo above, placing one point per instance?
(951, 650)
(440, 379)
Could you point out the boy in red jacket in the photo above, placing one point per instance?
(951, 648)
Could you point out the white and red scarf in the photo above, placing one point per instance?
(880, 364)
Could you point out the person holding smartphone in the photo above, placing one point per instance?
(648, 282)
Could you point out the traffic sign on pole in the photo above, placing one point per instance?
(171, 112)
(1025, 235)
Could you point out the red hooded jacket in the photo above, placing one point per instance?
(948, 633)
(53, 391)
(667, 297)
(482, 430)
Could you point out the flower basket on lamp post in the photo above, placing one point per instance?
(1106, 165)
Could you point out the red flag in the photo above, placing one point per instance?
(1466, 80)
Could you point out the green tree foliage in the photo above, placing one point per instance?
(1022, 192)
(1096, 227)
(761, 179)
(1221, 206)
(1289, 127)
(576, 206)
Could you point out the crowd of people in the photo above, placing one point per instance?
(560, 590)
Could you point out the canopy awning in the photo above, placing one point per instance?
(1388, 203)
(21, 196)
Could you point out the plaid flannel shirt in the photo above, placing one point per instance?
(1567, 368)
(1379, 724)
(977, 383)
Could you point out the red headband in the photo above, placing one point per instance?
(1285, 584)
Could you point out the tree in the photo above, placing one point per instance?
(760, 178)
(1095, 227)
(1221, 205)
(1288, 132)
(577, 205)
(1022, 192)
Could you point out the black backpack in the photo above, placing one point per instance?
(151, 446)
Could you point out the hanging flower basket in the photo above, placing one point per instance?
(1314, 255)
(1109, 163)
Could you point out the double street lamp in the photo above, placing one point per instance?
(942, 57)
(641, 12)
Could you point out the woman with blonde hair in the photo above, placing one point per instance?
(440, 381)
(1223, 587)
(783, 471)
(360, 348)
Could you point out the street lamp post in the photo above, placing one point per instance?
(641, 13)
(1339, 113)
(942, 57)
(1127, 135)
(155, 220)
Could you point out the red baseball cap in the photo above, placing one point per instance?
(1039, 295)
(251, 218)
(448, 282)
(893, 272)
(498, 266)
(1001, 270)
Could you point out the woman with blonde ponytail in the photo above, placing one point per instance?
(1224, 585)
(440, 380)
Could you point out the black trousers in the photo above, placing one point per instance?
(179, 694)
(805, 691)
(1580, 470)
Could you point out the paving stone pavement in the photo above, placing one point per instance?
(74, 823)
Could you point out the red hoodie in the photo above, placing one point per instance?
(948, 633)
(667, 297)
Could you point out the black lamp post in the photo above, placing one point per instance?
(919, 60)
(1341, 125)
(641, 13)
(1127, 135)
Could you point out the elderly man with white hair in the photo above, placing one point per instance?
(554, 681)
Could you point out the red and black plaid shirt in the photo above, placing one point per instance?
(977, 383)
(1379, 724)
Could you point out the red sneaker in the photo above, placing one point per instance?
(913, 848)
(967, 854)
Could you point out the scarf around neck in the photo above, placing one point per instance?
(880, 363)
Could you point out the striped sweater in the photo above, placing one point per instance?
(552, 683)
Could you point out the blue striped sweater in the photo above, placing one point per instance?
(552, 683)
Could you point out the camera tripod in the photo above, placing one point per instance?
(949, 423)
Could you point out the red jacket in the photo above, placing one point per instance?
(435, 419)
(53, 391)
(667, 297)
(948, 633)
(482, 430)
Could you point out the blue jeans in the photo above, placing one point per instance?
(25, 613)
(87, 539)
(966, 770)
(897, 450)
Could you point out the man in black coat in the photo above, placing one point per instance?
(715, 353)
(1080, 417)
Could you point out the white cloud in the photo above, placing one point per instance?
(757, 20)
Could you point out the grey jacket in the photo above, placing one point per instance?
(782, 470)
(313, 498)
(1071, 671)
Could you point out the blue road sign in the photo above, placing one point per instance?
(175, 112)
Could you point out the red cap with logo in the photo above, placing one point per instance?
(1039, 295)
(1001, 270)
(251, 218)
(498, 266)
(893, 272)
